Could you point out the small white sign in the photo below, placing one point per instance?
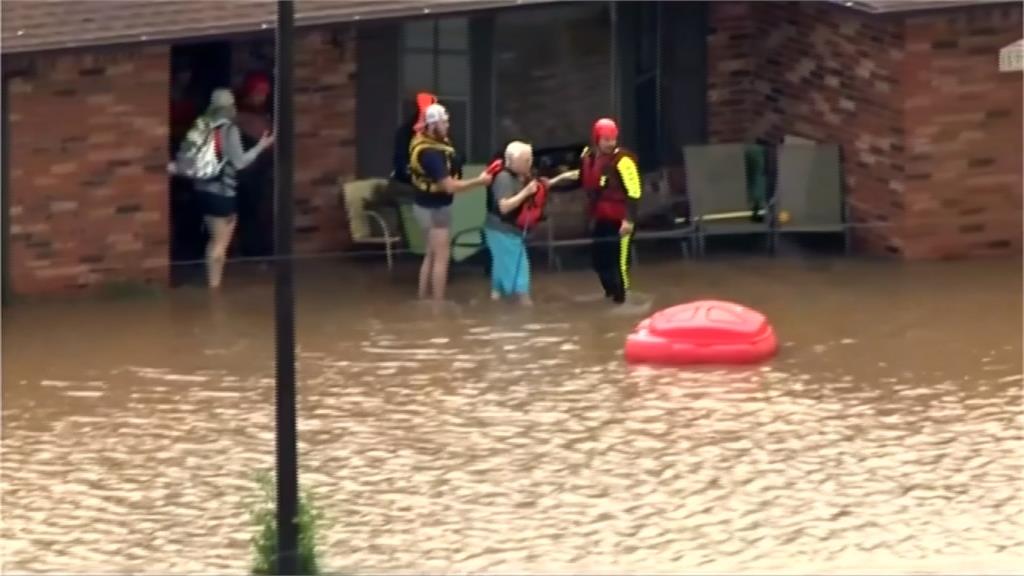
(1011, 58)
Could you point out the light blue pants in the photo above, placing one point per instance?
(510, 266)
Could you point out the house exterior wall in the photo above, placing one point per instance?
(929, 129)
(89, 193)
(963, 122)
(88, 198)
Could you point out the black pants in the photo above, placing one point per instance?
(611, 254)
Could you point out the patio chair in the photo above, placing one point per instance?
(469, 210)
(809, 190)
(366, 226)
(663, 217)
(722, 195)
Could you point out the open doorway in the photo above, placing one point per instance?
(196, 71)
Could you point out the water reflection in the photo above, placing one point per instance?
(886, 436)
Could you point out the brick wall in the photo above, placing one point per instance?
(325, 124)
(928, 127)
(88, 197)
(325, 108)
(963, 122)
(825, 73)
(731, 66)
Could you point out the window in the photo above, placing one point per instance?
(435, 58)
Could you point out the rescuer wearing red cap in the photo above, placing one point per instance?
(610, 176)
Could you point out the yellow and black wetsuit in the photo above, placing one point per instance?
(613, 184)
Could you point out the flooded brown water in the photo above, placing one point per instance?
(885, 437)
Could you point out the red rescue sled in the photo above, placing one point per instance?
(702, 332)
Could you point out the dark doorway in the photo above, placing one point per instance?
(196, 71)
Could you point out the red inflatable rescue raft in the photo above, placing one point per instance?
(702, 332)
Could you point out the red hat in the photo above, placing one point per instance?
(605, 128)
(256, 82)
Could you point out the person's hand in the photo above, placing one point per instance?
(532, 188)
(267, 139)
(485, 178)
(626, 228)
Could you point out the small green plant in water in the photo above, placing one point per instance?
(264, 543)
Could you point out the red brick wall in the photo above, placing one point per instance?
(325, 124)
(325, 107)
(963, 122)
(905, 100)
(825, 73)
(89, 198)
(731, 67)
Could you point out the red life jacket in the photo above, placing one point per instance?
(527, 214)
(600, 178)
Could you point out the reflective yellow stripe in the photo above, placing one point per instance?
(630, 176)
(624, 259)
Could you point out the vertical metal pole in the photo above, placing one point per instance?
(284, 298)
(5, 196)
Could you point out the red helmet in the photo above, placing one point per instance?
(605, 128)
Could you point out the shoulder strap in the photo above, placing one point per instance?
(218, 142)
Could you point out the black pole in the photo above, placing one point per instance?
(284, 300)
(5, 194)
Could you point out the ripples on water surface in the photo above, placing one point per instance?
(886, 436)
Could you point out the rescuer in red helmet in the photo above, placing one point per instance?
(610, 176)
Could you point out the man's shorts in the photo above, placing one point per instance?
(431, 218)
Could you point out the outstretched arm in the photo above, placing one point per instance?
(570, 176)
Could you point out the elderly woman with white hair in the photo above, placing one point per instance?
(510, 266)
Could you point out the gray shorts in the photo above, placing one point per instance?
(430, 218)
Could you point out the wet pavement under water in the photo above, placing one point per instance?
(885, 436)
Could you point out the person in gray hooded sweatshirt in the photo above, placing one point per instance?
(217, 196)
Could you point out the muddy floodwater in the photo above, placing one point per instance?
(886, 436)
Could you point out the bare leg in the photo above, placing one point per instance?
(425, 269)
(221, 230)
(438, 241)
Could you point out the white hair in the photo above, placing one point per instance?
(516, 149)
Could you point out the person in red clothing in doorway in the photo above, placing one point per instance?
(610, 176)
(256, 184)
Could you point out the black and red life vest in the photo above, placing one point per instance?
(602, 182)
(527, 214)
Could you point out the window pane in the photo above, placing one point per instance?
(458, 112)
(647, 47)
(419, 34)
(564, 41)
(417, 72)
(453, 34)
(453, 75)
